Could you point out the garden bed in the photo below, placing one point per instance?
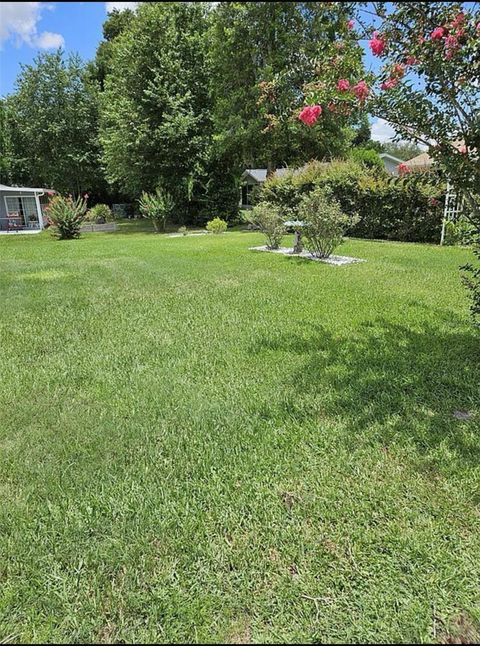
(331, 260)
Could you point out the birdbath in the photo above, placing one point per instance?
(297, 226)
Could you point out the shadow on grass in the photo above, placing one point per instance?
(391, 383)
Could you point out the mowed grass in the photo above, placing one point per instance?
(202, 443)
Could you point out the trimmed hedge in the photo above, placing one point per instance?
(407, 208)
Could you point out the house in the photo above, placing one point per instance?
(251, 178)
(21, 209)
(391, 163)
(420, 162)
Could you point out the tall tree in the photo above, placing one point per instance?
(155, 108)
(51, 122)
(262, 53)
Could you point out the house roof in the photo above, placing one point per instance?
(419, 162)
(391, 157)
(260, 174)
(15, 189)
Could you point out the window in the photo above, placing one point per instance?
(22, 212)
(247, 194)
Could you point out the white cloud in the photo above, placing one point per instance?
(110, 6)
(382, 131)
(48, 40)
(18, 22)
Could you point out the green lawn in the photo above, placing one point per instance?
(203, 443)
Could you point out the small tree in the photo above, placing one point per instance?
(324, 222)
(157, 207)
(266, 216)
(66, 215)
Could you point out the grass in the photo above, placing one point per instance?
(203, 443)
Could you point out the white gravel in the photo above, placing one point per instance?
(332, 260)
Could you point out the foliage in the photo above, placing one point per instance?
(403, 150)
(261, 54)
(409, 209)
(268, 219)
(52, 125)
(427, 87)
(217, 225)
(66, 215)
(472, 281)
(367, 156)
(99, 213)
(324, 222)
(183, 230)
(155, 127)
(460, 232)
(157, 207)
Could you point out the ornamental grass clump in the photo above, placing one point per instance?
(66, 215)
(157, 207)
(266, 217)
(324, 222)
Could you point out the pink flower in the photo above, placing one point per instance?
(478, 26)
(462, 150)
(350, 24)
(437, 33)
(451, 42)
(389, 84)
(310, 114)
(361, 91)
(403, 169)
(377, 44)
(411, 60)
(343, 85)
(433, 202)
(458, 20)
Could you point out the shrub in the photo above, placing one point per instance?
(324, 222)
(157, 207)
(183, 231)
(100, 213)
(266, 217)
(66, 215)
(217, 225)
(368, 157)
(459, 233)
(472, 281)
(408, 209)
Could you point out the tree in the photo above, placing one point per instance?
(155, 124)
(51, 124)
(403, 150)
(115, 24)
(262, 54)
(4, 162)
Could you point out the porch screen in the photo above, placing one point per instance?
(23, 210)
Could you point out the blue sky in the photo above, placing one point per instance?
(27, 28)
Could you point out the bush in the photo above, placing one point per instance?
(157, 207)
(324, 222)
(459, 233)
(408, 209)
(66, 215)
(370, 158)
(183, 231)
(472, 281)
(217, 225)
(266, 217)
(100, 213)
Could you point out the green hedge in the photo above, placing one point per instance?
(392, 208)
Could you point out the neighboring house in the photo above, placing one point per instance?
(420, 162)
(391, 163)
(251, 178)
(21, 209)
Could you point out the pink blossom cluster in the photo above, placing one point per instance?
(309, 114)
(377, 44)
(403, 169)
